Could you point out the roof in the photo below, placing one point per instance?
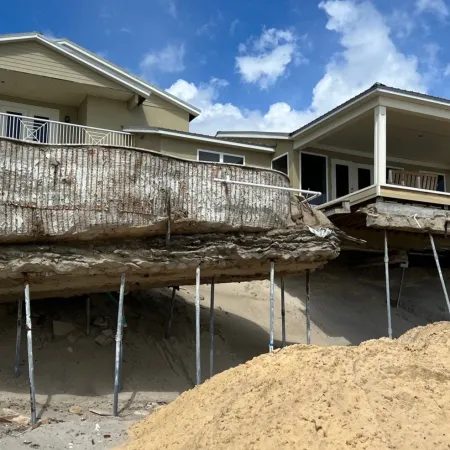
(199, 137)
(101, 65)
(252, 135)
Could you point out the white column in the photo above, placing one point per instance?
(380, 145)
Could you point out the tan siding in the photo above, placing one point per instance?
(82, 112)
(188, 149)
(114, 114)
(64, 110)
(37, 59)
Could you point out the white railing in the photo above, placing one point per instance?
(36, 129)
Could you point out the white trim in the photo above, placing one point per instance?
(221, 155)
(407, 188)
(327, 194)
(352, 175)
(136, 84)
(194, 137)
(411, 162)
(278, 157)
(253, 134)
(349, 197)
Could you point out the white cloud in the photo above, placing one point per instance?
(169, 59)
(438, 7)
(233, 26)
(265, 59)
(368, 55)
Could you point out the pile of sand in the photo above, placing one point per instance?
(380, 395)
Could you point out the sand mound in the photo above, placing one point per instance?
(380, 395)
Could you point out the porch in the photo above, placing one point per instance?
(43, 130)
(385, 152)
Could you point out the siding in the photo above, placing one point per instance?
(114, 114)
(37, 59)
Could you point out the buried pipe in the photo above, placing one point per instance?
(119, 334)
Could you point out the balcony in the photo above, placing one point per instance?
(36, 129)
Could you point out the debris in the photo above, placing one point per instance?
(69, 349)
(61, 328)
(141, 413)
(100, 322)
(97, 427)
(10, 413)
(106, 436)
(103, 340)
(108, 332)
(100, 412)
(74, 336)
(76, 410)
(21, 420)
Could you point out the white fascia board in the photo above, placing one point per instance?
(253, 134)
(193, 137)
(165, 95)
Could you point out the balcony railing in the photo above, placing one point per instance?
(46, 131)
(420, 180)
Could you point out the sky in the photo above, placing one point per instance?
(265, 65)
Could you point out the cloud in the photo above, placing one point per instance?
(233, 26)
(265, 59)
(367, 55)
(206, 28)
(170, 6)
(437, 7)
(169, 59)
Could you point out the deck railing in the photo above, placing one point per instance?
(420, 180)
(37, 129)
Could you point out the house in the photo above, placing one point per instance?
(54, 91)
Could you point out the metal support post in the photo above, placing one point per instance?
(402, 279)
(272, 304)
(197, 326)
(119, 333)
(308, 308)
(388, 290)
(18, 337)
(30, 352)
(438, 265)
(283, 316)
(211, 331)
(172, 305)
(88, 315)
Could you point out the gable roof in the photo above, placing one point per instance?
(102, 66)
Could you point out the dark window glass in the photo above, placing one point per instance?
(208, 156)
(342, 180)
(441, 183)
(363, 178)
(281, 164)
(13, 125)
(231, 159)
(314, 175)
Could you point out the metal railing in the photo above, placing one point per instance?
(39, 129)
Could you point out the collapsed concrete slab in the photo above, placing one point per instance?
(74, 218)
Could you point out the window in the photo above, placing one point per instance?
(281, 164)
(313, 170)
(208, 156)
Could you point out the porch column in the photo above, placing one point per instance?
(380, 145)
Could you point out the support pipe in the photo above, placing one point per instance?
(438, 265)
(197, 327)
(211, 331)
(272, 304)
(283, 316)
(30, 352)
(119, 334)
(308, 308)
(18, 336)
(388, 290)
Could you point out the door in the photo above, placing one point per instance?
(348, 177)
(314, 175)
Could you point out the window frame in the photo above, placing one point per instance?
(327, 170)
(221, 155)
(278, 157)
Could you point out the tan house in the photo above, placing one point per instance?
(54, 91)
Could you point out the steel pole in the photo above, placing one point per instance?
(308, 308)
(197, 326)
(30, 352)
(211, 331)
(283, 315)
(18, 336)
(272, 304)
(438, 265)
(401, 286)
(388, 290)
(119, 334)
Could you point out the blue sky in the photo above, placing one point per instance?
(257, 64)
